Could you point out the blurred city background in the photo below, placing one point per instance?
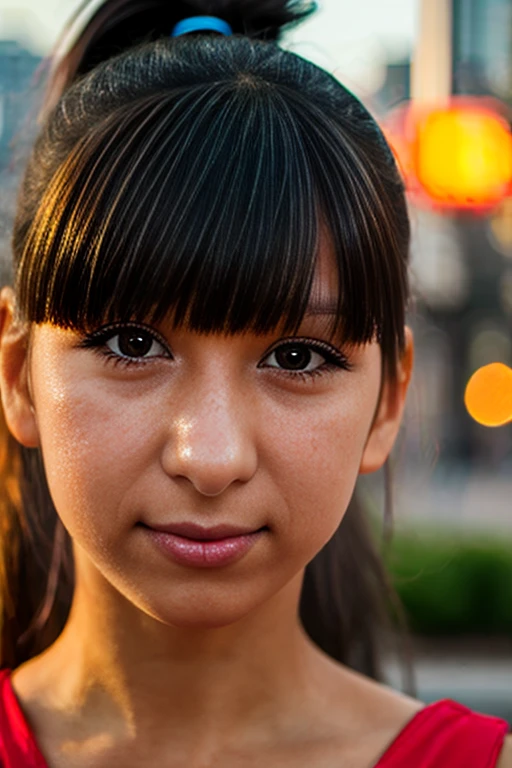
(451, 558)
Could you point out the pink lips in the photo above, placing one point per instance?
(193, 545)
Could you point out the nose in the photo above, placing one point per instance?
(211, 442)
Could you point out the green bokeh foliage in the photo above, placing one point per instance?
(451, 585)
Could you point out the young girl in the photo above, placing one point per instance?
(204, 347)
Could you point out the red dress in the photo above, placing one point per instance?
(441, 735)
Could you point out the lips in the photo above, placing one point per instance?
(196, 546)
(200, 533)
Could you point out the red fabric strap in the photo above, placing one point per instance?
(18, 748)
(447, 735)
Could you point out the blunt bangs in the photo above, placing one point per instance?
(205, 205)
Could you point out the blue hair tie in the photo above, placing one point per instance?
(200, 23)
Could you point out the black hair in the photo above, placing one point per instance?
(120, 25)
(235, 155)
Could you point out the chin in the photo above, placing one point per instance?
(201, 618)
(205, 601)
(201, 608)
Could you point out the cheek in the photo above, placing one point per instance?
(315, 461)
(94, 449)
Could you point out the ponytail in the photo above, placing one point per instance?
(10, 542)
(36, 582)
(348, 600)
(100, 30)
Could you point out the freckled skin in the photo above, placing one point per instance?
(202, 433)
(208, 437)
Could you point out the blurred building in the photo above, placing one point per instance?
(396, 87)
(18, 113)
(482, 46)
(479, 329)
(18, 68)
(461, 262)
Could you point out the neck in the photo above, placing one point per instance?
(115, 664)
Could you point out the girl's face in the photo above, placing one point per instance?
(198, 474)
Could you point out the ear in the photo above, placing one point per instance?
(14, 374)
(388, 417)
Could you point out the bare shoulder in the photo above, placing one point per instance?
(505, 760)
(367, 712)
(381, 701)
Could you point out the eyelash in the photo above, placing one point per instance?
(97, 342)
(334, 359)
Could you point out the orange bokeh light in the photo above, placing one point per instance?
(457, 156)
(488, 396)
(464, 156)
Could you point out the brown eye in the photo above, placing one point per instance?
(135, 343)
(295, 357)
